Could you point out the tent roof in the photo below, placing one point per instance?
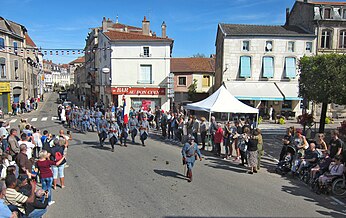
(222, 101)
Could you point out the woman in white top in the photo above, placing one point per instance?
(37, 139)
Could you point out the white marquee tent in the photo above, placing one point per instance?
(222, 101)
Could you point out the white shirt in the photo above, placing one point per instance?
(29, 147)
(3, 131)
(37, 139)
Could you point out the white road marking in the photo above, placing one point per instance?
(54, 118)
(33, 119)
(338, 201)
(13, 120)
(44, 118)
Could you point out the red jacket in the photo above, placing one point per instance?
(218, 137)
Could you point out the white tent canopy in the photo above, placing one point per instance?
(222, 101)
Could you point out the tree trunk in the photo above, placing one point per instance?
(323, 117)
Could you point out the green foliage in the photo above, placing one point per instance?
(199, 55)
(260, 120)
(192, 89)
(322, 78)
(282, 121)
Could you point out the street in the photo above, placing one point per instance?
(149, 181)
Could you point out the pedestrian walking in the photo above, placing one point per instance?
(102, 129)
(144, 129)
(134, 124)
(113, 133)
(190, 152)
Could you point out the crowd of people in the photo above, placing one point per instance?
(26, 106)
(31, 163)
(315, 161)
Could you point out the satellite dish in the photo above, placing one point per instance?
(269, 46)
(105, 70)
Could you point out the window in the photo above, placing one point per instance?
(290, 46)
(206, 81)
(16, 68)
(269, 46)
(342, 39)
(15, 47)
(268, 67)
(344, 14)
(325, 39)
(327, 13)
(146, 52)
(3, 67)
(308, 47)
(2, 43)
(290, 67)
(245, 66)
(246, 45)
(145, 76)
(181, 81)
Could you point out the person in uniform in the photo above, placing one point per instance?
(113, 133)
(190, 152)
(102, 129)
(133, 124)
(144, 129)
(123, 133)
(97, 116)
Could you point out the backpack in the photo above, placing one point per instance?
(58, 156)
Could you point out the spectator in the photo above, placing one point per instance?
(37, 140)
(203, 129)
(218, 138)
(3, 135)
(320, 143)
(336, 168)
(27, 130)
(260, 149)
(58, 170)
(29, 145)
(44, 165)
(4, 210)
(251, 142)
(38, 208)
(13, 143)
(15, 198)
(44, 136)
(23, 163)
(335, 144)
(195, 128)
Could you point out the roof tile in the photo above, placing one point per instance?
(192, 65)
(116, 35)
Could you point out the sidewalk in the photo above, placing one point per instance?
(39, 106)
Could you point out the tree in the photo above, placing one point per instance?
(199, 55)
(322, 80)
(192, 89)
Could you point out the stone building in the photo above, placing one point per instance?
(258, 64)
(327, 20)
(188, 70)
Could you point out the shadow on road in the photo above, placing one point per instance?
(168, 173)
(101, 148)
(298, 189)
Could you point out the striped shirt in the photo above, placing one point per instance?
(15, 198)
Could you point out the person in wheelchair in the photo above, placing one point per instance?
(336, 169)
(322, 166)
(310, 157)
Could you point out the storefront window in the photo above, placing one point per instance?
(145, 103)
(287, 105)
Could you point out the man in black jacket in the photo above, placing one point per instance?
(38, 208)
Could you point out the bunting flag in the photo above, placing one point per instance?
(51, 52)
(73, 52)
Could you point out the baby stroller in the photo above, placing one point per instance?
(285, 165)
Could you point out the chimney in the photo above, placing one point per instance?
(287, 17)
(104, 24)
(146, 26)
(163, 28)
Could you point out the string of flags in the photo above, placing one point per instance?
(51, 52)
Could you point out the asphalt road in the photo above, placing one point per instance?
(148, 181)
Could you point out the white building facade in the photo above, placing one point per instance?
(259, 64)
(139, 67)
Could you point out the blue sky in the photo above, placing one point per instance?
(191, 23)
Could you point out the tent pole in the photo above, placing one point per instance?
(257, 120)
(228, 117)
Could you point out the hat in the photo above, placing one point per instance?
(191, 138)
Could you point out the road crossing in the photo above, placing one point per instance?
(35, 119)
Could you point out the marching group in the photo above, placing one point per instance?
(28, 158)
(315, 161)
(24, 106)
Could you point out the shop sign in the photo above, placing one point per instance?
(5, 87)
(138, 91)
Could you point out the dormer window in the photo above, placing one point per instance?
(327, 13)
(269, 46)
(290, 46)
(246, 45)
